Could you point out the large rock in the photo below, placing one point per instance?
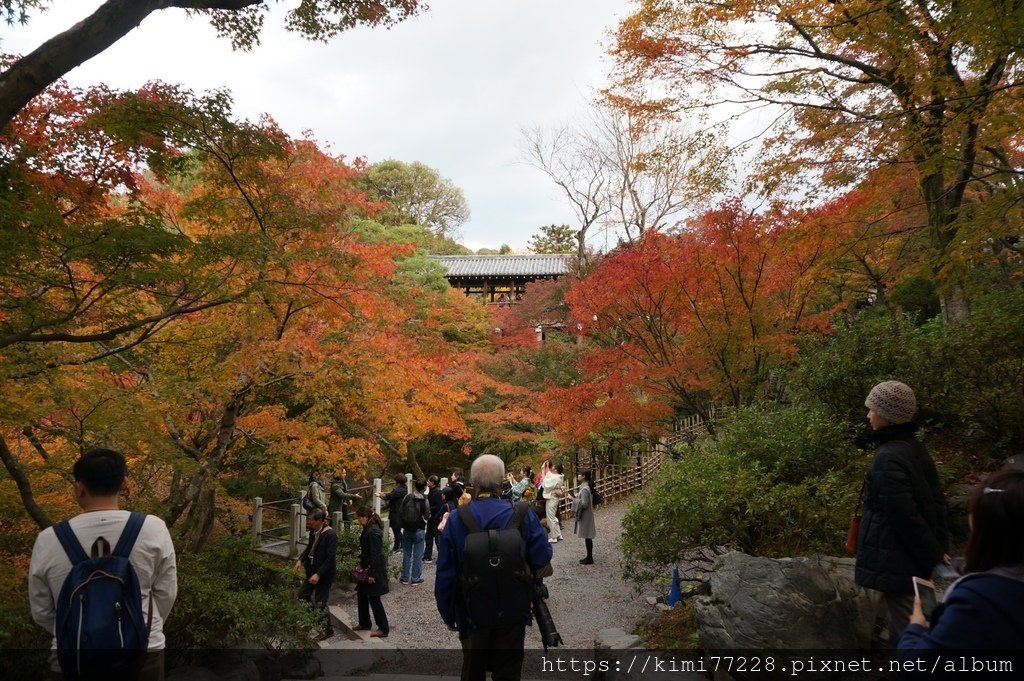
(785, 603)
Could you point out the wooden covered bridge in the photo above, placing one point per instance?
(494, 279)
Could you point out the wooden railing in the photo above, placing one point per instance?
(287, 522)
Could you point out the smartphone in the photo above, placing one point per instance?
(925, 591)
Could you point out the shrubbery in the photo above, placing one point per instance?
(229, 594)
(969, 377)
(773, 483)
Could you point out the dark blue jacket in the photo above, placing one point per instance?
(981, 612)
(490, 512)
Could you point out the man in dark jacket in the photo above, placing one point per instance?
(341, 499)
(319, 560)
(903, 531)
(435, 503)
(415, 514)
(394, 499)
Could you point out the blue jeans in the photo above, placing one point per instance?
(413, 543)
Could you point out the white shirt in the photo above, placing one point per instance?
(152, 557)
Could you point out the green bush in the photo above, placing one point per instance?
(229, 594)
(772, 483)
(838, 371)
(968, 377)
(978, 373)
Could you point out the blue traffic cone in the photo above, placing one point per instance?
(675, 593)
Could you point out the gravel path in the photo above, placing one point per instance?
(584, 598)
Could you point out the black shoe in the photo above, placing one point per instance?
(428, 559)
(586, 561)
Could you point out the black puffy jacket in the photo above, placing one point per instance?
(903, 532)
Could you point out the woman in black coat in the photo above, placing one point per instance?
(371, 557)
(394, 498)
(903, 532)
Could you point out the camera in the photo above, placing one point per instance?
(549, 635)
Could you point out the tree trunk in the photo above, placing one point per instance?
(199, 523)
(954, 304)
(183, 496)
(52, 60)
(39, 69)
(17, 474)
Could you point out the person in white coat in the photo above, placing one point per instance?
(553, 486)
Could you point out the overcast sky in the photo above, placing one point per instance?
(451, 88)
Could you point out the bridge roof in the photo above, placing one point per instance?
(543, 265)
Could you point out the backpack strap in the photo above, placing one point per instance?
(519, 510)
(129, 534)
(72, 547)
(467, 518)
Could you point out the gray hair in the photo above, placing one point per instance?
(487, 473)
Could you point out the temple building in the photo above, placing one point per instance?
(494, 279)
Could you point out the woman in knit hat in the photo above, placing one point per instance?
(903, 530)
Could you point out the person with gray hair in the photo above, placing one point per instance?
(487, 473)
(903, 530)
(498, 650)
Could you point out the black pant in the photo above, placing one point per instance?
(428, 550)
(499, 651)
(317, 597)
(397, 531)
(365, 603)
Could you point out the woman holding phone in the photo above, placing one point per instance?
(984, 609)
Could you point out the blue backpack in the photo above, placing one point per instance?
(100, 628)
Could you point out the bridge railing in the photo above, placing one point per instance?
(279, 527)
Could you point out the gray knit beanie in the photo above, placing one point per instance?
(893, 401)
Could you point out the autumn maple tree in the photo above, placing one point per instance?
(330, 341)
(935, 88)
(679, 322)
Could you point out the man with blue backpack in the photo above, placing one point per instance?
(104, 582)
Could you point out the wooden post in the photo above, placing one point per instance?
(376, 499)
(408, 483)
(293, 532)
(336, 521)
(257, 522)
